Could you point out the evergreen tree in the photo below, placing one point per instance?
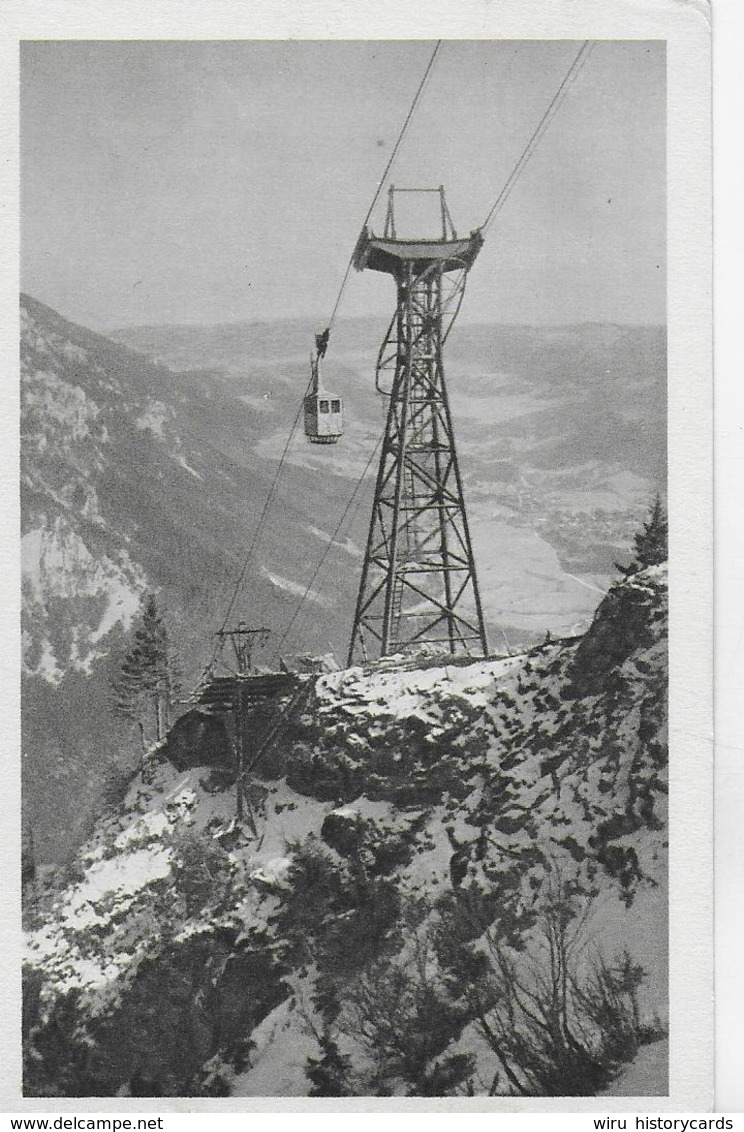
(650, 544)
(652, 541)
(148, 681)
(328, 1074)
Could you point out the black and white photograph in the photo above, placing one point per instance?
(345, 515)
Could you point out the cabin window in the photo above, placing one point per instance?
(324, 407)
(335, 406)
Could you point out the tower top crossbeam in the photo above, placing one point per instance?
(392, 254)
(377, 253)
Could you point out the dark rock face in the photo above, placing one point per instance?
(383, 850)
(198, 740)
(344, 832)
(622, 624)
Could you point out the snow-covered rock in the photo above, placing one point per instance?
(431, 827)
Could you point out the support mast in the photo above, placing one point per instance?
(418, 582)
(243, 640)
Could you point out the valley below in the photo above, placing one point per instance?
(562, 446)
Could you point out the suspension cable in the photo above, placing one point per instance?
(331, 543)
(376, 196)
(353, 512)
(555, 103)
(381, 182)
(552, 109)
(272, 491)
(259, 526)
(257, 532)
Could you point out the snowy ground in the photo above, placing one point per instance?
(488, 722)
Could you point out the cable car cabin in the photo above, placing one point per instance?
(324, 418)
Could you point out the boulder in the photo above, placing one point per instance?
(623, 623)
(344, 830)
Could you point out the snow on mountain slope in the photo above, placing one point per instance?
(135, 478)
(78, 577)
(420, 837)
(121, 456)
(125, 484)
(93, 594)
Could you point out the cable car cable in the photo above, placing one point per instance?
(381, 182)
(332, 543)
(351, 517)
(258, 531)
(553, 107)
(555, 103)
(344, 281)
(272, 490)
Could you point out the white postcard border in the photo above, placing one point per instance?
(685, 27)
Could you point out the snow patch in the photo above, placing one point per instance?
(404, 693)
(345, 544)
(149, 825)
(123, 876)
(56, 564)
(59, 403)
(283, 1043)
(273, 871)
(295, 588)
(187, 467)
(154, 419)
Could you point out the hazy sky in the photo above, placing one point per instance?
(208, 182)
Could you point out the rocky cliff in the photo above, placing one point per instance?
(452, 882)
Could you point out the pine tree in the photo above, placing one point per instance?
(328, 1074)
(651, 542)
(148, 681)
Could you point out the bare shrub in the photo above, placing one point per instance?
(559, 1024)
(400, 1013)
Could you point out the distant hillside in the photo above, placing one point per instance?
(453, 883)
(139, 473)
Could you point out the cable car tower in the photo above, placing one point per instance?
(418, 582)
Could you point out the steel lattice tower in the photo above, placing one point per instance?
(418, 581)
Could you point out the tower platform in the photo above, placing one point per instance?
(392, 256)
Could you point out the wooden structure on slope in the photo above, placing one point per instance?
(254, 706)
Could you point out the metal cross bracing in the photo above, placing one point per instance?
(390, 254)
(418, 582)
